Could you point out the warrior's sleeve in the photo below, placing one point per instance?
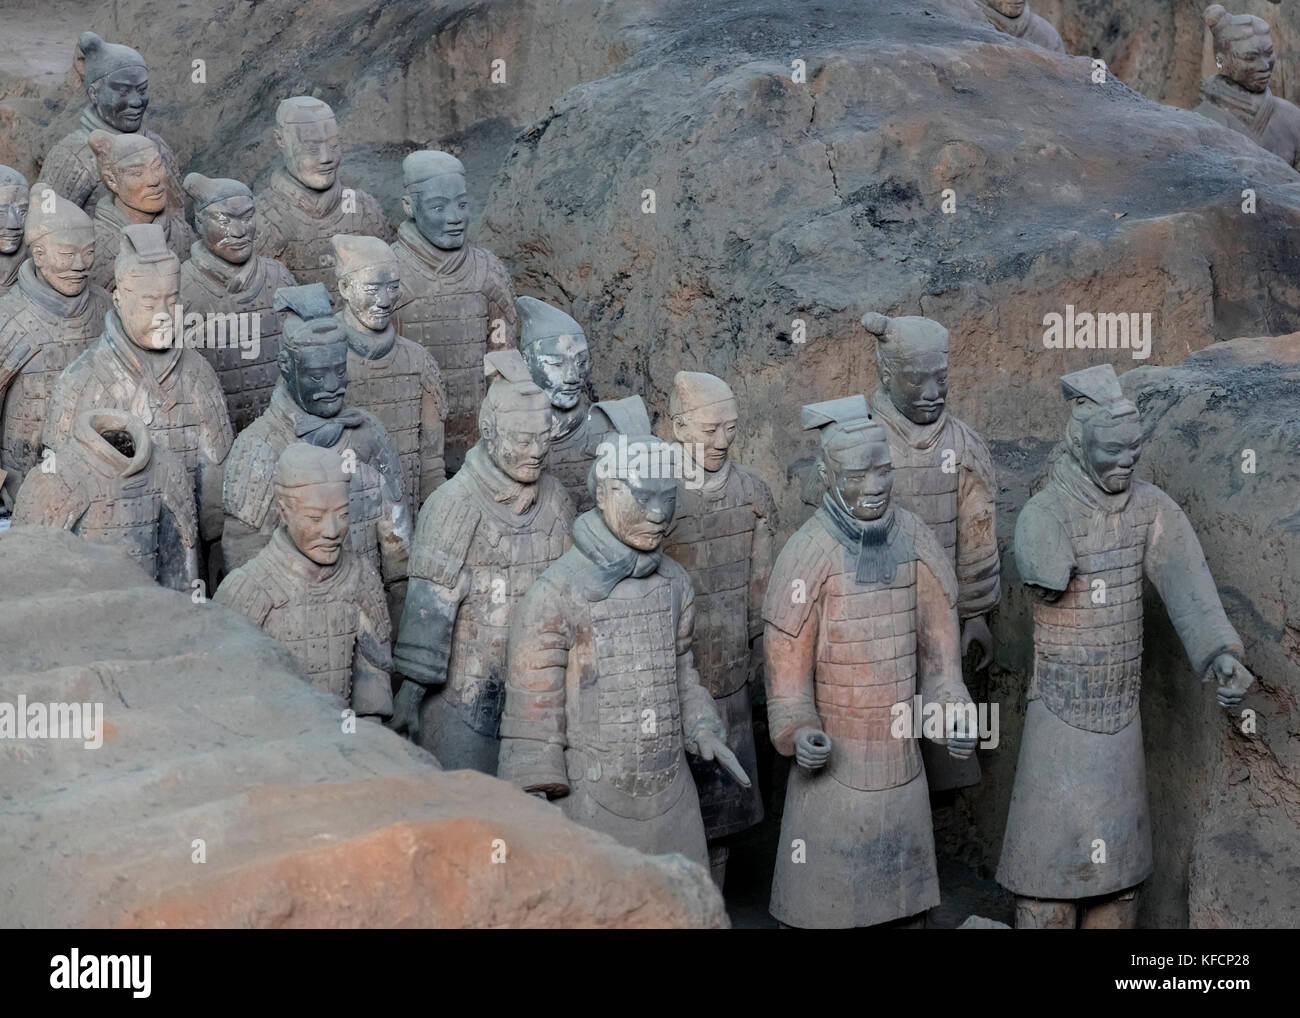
(699, 712)
(372, 664)
(533, 734)
(1043, 551)
(47, 500)
(500, 293)
(375, 224)
(215, 439)
(61, 409)
(395, 519)
(938, 636)
(1176, 564)
(433, 414)
(437, 585)
(179, 527)
(64, 172)
(15, 351)
(247, 494)
(979, 570)
(761, 554)
(269, 240)
(792, 617)
(241, 591)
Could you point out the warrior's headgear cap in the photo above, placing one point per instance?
(1094, 390)
(510, 386)
(208, 190)
(694, 390)
(144, 249)
(310, 319)
(539, 320)
(353, 252)
(1229, 28)
(427, 164)
(909, 334)
(302, 464)
(845, 423)
(118, 149)
(103, 58)
(63, 214)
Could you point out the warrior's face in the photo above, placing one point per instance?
(316, 517)
(316, 375)
(560, 366)
(517, 441)
(708, 431)
(638, 510)
(312, 152)
(63, 259)
(1008, 8)
(121, 98)
(917, 384)
(1249, 62)
(227, 228)
(440, 209)
(140, 181)
(13, 216)
(861, 478)
(146, 300)
(1108, 449)
(371, 294)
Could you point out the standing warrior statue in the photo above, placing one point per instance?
(943, 473)
(1238, 96)
(136, 179)
(46, 322)
(117, 90)
(483, 539)
(456, 300)
(111, 484)
(395, 378)
(224, 280)
(308, 405)
(861, 615)
(14, 197)
(1083, 545)
(306, 205)
(603, 701)
(723, 536)
(1016, 19)
(309, 591)
(141, 365)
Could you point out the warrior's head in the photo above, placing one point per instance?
(555, 350)
(148, 276)
(369, 280)
(311, 494)
(313, 350)
(514, 420)
(912, 362)
(855, 466)
(1243, 47)
(223, 215)
(308, 137)
(60, 240)
(434, 196)
(705, 417)
(117, 82)
(131, 166)
(634, 480)
(14, 197)
(1105, 431)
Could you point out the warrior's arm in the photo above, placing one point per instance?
(424, 634)
(699, 713)
(762, 554)
(1176, 564)
(979, 570)
(938, 640)
(433, 414)
(372, 662)
(533, 731)
(241, 542)
(500, 293)
(215, 439)
(1043, 551)
(789, 660)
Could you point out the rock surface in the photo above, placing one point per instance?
(209, 735)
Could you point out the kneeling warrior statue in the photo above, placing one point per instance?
(861, 616)
(1083, 545)
(309, 591)
(603, 701)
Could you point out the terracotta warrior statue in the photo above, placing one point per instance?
(117, 93)
(308, 405)
(1238, 96)
(483, 539)
(456, 300)
(1015, 18)
(140, 365)
(943, 473)
(309, 591)
(393, 377)
(136, 180)
(110, 483)
(722, 535)
(47, 321)
(14, 196)
(603, 702)
(225, 277)
(861, 615)
(1079, 826)
(306, 205)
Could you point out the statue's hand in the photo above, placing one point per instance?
(1234, 679)
(713, 748)
(406, 710)
(812, 748)
(976, 631)
(961, 744)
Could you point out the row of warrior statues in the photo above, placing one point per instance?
(404, 483)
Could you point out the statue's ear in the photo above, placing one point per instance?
(278, 135)
(408, 206)
(679, 428)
